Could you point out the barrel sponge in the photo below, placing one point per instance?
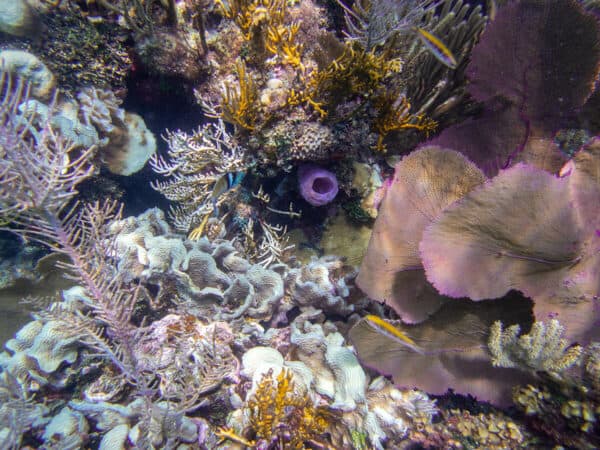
(317, 185)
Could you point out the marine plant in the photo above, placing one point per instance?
(280, 415)
(425, 182)
(195, 163)
(390, 26)
(481, 244)
(527, 97)
(338, 82)
(376, 22)
(39, 175)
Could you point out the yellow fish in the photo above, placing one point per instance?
(437, 48)
(388, 330)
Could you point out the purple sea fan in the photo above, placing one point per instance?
(317, 185)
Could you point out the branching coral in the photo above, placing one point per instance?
(18, 412)
(543, 348)
(264, 23)
(195, 164)
(39, 169)
(188, 359)
(273, 246)
(278, 414)
(435, 90)
(375, 22)
(362, 75)
(396, 116)
(356, 72)
(390, 25)
(251, 15)
(239, 104)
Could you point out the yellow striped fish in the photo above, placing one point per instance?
(437, 48)
(388, 330)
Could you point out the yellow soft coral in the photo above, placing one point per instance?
(395, 116)
(281, 42)
(264, 21)
(239, 104)
(355, 73)
(277, 411)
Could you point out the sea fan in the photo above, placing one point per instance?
(39, 173)
(373, 22)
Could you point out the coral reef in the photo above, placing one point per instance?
(83, 52)
(26, 66)
(450, 350)
(36, 353)
(557, 240)
(326, 371)
(565, 411)
(206, 274)
(464, 429)
(203, 327)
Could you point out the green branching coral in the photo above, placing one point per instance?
(543, 348)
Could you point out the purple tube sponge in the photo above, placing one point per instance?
(317, 185)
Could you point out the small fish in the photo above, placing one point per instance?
(223, 184)
(226, 182)
(437, 48)
(391, 332)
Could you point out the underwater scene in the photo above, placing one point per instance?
(299, 224)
